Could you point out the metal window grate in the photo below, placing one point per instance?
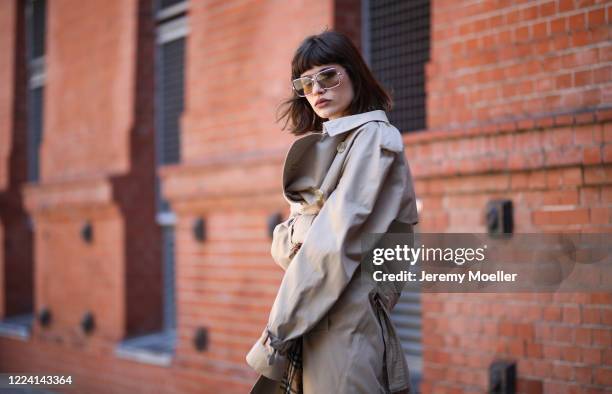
(171, 92)
(398, 48)
(35, 49)
(37, 17)
(407, 318)
(169, 278)
(169, 104)
(169, 3)
(35, 125)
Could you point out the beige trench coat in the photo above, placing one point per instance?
(348, 180)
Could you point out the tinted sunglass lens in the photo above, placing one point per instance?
(328, 79)
(303, 86)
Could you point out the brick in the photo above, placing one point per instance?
(564, 81)
(582, 78)
(562, 334)
(591, 155)
(583, 375)
(602, 74)
(558, 25)
(533, 350)
(571, 354)
(601, 337)
(566, 177)
(590, 314)
(563, 156)
(547, 9)
(596, 17)
(598, 175)
(577, 22)
(561, 217)
(607, 154)
(600, 215)
(571, 314)
(562, 371)
(560, 197)
(603, 376)
(607, 132)
(516, 347)
(566, 5)
(589, 196)
(552, 313)
(590, 356)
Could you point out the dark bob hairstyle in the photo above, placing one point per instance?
(326, 48)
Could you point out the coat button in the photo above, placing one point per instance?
(341, 147)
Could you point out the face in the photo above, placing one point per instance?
(330, 103)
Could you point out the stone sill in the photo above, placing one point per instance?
(155, 349)
(17, 327)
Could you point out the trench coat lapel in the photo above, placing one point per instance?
(306, 165)
(309, 160)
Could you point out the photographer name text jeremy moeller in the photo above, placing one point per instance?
(472, 276)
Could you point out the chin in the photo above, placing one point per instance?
(326, 114)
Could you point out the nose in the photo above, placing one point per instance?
(316, 88)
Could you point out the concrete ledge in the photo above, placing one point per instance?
(17, 327)
(155, 349)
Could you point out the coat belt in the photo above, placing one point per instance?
(395, 365)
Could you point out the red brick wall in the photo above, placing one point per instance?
(98, 166)
(511, 59)
(239, 69)
(347, 19)
(89, 88)
(8, 13)
(518, 108)
(561, 342)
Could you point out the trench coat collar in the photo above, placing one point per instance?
(346, 123)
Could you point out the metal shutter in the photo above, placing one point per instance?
(169, 104)
(35, 124)
(35, 36)
(169, 278)
(406, 317)
(169, 3)
(397, 46)
(170, 90)
(37, 18)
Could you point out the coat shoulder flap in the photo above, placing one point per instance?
(387, 136)
(391, 139)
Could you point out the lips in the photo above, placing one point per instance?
(320, 102)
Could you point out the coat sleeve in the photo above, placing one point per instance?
(282, 249)
(289, 235)
(331, 251)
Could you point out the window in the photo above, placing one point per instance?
(395, 37)
(169, 104)
(35, 49)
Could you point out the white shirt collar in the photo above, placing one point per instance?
(346, 123)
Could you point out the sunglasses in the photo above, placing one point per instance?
(328, 78)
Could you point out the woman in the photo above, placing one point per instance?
(328, 330)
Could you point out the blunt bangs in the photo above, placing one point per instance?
(312, 54)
